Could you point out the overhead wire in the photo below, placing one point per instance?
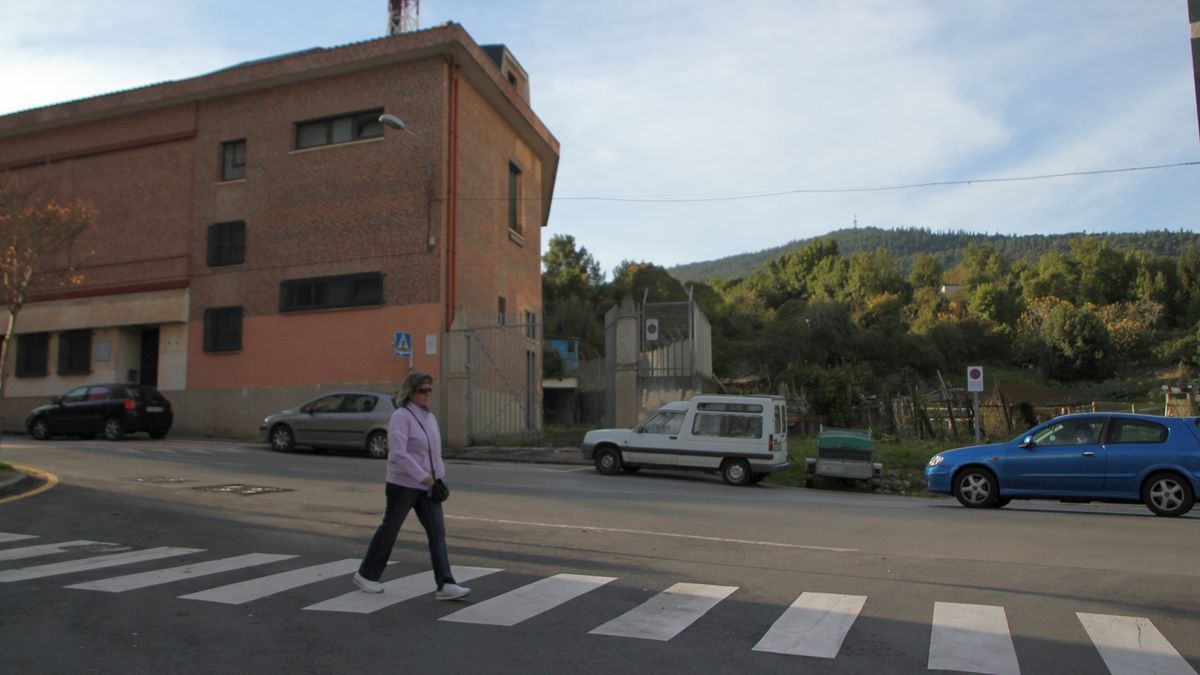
(879, 188)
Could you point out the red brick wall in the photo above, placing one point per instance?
(490, 263)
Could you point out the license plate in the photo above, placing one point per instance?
(834, 468)
(154, 408)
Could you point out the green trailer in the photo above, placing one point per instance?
(846, 455)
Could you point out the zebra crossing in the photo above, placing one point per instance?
(963, 637)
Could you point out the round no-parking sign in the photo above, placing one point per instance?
(975, 378)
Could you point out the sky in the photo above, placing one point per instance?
(694, 130)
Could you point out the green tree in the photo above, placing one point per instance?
(1104, 276)
(1077, 344)
(927, 272)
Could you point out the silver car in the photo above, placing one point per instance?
(344, 419)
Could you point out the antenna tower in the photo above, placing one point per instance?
(403, 16)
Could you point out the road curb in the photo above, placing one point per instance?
(9, 481)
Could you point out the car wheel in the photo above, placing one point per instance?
(114, 430)
(39, 429)
(1166, 494)
(735, 472)
(976, 488)
(282, 438)
(608, 461)
(377, 445)
(808, 482)
(158, 434)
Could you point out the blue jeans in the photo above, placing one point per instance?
(400, 500)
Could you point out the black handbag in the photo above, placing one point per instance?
(440, 491)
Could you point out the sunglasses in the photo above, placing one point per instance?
(423, 390)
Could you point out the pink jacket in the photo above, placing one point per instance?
(408, 447)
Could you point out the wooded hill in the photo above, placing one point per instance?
(905, 244)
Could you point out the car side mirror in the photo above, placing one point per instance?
(1026, 443)
(56, 399)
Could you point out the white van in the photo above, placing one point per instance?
(743, 437)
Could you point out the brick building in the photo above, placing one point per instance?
(262, 237)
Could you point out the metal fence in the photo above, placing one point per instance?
(503, 365)
(675, 340)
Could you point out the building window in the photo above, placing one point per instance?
(227, 243)
(223, 329)
(514, 197)
(349, 290)
(33, 355)
(501, 306)
(233, 160)
(530, 325)
(75, 352)
(341, 129)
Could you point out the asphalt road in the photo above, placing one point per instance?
(574, 572)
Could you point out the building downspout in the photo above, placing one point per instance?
(452, 198)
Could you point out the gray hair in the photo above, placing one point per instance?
(414, 379)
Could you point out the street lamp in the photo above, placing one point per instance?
(398, 124)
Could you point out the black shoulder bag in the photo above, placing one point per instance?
(440, 492)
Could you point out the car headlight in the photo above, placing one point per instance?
(935, 460)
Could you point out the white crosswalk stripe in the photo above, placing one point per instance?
(130, 582)
(815, 625)
(93, 563)
(50, 549)
(256, 589)
(407, 588)
(667, 614)
(964, 637)
(971, 638)
(529, 601)
(1133, 646)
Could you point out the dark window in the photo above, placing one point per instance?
(33, 354)
(733, 426)
(359, 403)
(341, 129)
(1136, 431)
(227, 243)
(75, 352)
(531, 325)
(730, 407)
(502, 307)
(514, 197)
(233, 160)
(223, 329)
(349, 290)
(326, 404)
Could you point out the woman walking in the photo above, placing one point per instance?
(414, 459)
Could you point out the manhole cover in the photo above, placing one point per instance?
(160, 479)
(239, 489)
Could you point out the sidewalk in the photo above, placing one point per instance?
(484, 453)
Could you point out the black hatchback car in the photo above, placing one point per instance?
(109, 409)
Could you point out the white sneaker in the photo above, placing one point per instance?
(366, 584)
(452, 592)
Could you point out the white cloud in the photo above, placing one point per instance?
(678, 98)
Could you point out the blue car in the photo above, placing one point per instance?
(1108, 457)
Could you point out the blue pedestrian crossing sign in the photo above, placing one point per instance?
(402, 345)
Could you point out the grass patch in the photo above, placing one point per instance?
(903, 462)
(5, 466)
